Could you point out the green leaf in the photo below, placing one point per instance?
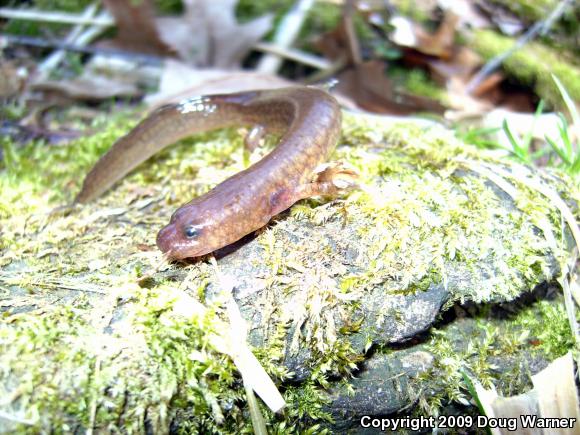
(528, 138)
(558, 150)
(569, 102)
(517, 150)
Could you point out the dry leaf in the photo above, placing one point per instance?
(463, 104)
(508, 22)
(554, 396)
(87, 87)
(179, 81)
(136, 29)
(406, 33)
(365, 83)
(12, 79)
(468, 13)
(371, 89)
(208, 33)
(462, 64)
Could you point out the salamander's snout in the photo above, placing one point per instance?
(168, 241)
(178, 242)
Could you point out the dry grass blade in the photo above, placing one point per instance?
(55, 58)
(553, 399)
(56, 17)
(253, 374)
(286, 34)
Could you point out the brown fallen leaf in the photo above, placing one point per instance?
(136, 28)
(372, 90)
(12, 79)
(208, 34)
(463, 104)
(86, 87)
(468, 12)
(440, 44)
(553, 397)
(462, 64)
(508, 22)
(365, 83)
(488, 85)
(179, 81)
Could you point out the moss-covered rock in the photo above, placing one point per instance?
(87, 293)
(529, 10)
(533, 65)
(498, 344)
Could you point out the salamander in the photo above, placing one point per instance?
(308, 120)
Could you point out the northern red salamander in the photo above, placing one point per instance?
(309, 120)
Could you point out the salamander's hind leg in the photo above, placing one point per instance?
(254, 138)
(331, 180)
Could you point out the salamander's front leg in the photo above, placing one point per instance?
(331, 180)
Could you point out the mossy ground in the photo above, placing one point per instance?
(84, 291)
(533, 65)
(500, 351)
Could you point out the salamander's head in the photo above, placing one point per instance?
(193, 231)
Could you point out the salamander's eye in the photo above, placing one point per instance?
(191, 232)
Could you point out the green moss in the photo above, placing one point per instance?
(35, 388)
(39, 28)
(61, 379)
(529, 10)
(423, 217)
(532, 65)
(38, 171)
(247, 9)
(62, 5)
(538, 332)
(414, 9)
(307, 401)
(547, 328)
(169, 7)
(417, 82)
(321, 18)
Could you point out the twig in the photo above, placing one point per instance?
(278, 50)
(329, 72)
(55, 58)
(56, 17)
(348, 25)
(39, 42)
(293, 54)
(286, 35)
(541, 27)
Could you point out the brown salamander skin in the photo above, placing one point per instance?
(309, 120)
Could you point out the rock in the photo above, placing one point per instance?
(318, 287)
(403, 381)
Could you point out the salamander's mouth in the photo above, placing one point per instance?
(174, 246)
